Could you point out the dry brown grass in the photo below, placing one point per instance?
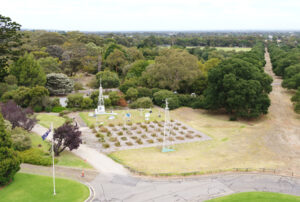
(272, 141)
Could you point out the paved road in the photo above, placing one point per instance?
(128, 188)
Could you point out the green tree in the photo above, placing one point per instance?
(9, 159)
(28, 97)
(161, 96)
(55, 51)
(239, 87)
(10, 39)
(108, 79)
(111, 47)
(291, 71)
(211, 63)
(116, 61)
(293, 82)
(90, 64)
(296, 100)
(133, 82)
(74, 101)
(50, 38)
(49, 65)
(132, 94)
(87, 103)
(134, 54)
(71, 66)
(136, 69)
(11, 80)
(282, 63)
(38, 94)
(28, 71)
(172, 68)
(93, 49)
(114, 98)
(59, 84)
(143, 102)
(144, 92)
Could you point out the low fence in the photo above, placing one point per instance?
(210, 172)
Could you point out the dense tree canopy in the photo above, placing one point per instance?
(36, 97)
(239, 88)
(49, 65)
(10, 39)
(286, 63)
(116, 61)
(108, 79)
(9, 159)
(173, 69)
(28, 71)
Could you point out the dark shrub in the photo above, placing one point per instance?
(143, 102)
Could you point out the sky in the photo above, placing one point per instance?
(154, 15)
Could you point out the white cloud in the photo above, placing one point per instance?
(99, 15)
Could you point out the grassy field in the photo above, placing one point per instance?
(234, 144)
(37, 142)
(46, 120)
(66, 158)
(69, 159)
(226, 48)
(257, 197)
(36, 188)
(136, 116)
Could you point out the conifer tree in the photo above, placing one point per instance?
(9, 159)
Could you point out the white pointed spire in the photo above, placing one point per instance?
(101, 108)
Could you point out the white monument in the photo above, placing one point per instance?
(101, 107)
(167, 144)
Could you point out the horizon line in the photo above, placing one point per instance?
(134, 31)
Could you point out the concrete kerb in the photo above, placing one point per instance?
(192, 177)
(92, 193)
(211, 173)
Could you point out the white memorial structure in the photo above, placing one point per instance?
(167, 144)
(101, 107)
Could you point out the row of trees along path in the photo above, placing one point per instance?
(283, 135)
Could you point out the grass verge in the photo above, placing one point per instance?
(46, 120)
(257, 197)
(36, 188)
(66, 158)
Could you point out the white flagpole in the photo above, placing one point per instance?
(54, 192)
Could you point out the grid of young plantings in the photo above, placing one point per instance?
(126, 136)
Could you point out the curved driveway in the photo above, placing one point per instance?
(115, 183)
(128, 188)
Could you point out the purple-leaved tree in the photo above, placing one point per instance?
(17, 116)
(66, 136)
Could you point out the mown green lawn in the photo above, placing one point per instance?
(46, 120)
(37, 188)
(257, 197)
(71, 160)
(136, 116)
(37, 142)
(66, 158)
